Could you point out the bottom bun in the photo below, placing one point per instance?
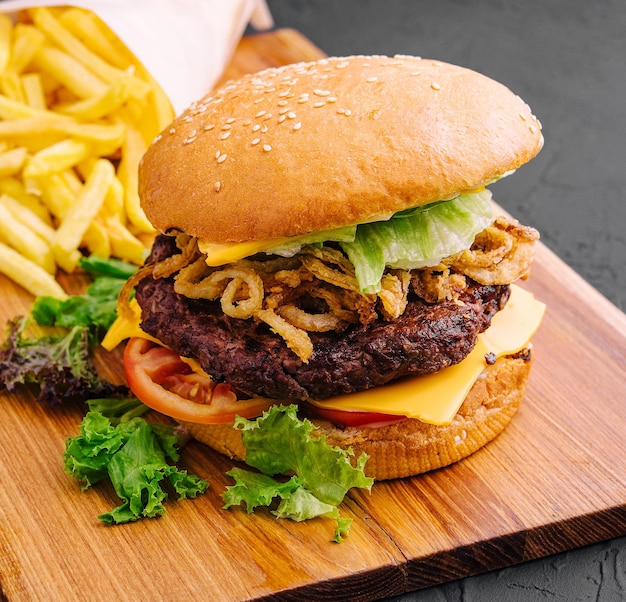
(412, 447)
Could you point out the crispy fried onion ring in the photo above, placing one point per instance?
(317, 291)
(500, 254)
(297, 339)
(240, 290)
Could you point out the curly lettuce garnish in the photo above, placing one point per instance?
(60, 365)
(134, 455)
(279, 442)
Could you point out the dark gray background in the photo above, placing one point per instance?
(567, 59)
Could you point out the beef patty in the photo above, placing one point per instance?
(255, 361)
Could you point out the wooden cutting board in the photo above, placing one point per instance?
(553, 481)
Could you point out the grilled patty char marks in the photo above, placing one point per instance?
(255, 361)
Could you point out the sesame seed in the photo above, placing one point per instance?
(341, 111)
(532, 129)
(319, 104)
(224, 135)
(256, 128)
(258, 100)
(247, 122)
(208, 126)
(267, 116)
(255, 141)
(283, 110)
(231, 120)
(264, 129)
(282, 103)
(331, 99)
(347, 112)
(416, 73)
(172, 130)
(297, 126)
(371, 80)
(222, 158)
(435, 86)
(282, 118)
(267, 148)
(260, 114)
(291, 115)
(522, 116)
(321, 92)
(226, 126)
(303, 99)
(218, 186)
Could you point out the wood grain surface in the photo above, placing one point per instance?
(554, 480)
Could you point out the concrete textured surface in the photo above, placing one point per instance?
(567, 59)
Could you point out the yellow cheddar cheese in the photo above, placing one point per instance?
(436, 398)
(217, 255)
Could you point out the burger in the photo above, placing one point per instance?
(326, 238)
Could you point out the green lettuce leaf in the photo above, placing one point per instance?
(417, 237)
(96, 308)
(345, 234)
(279, 442)
(134, 455)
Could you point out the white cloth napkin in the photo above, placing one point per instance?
(185, 44)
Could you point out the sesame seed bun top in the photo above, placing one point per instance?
(340, 141)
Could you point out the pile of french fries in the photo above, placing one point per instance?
(77, 112)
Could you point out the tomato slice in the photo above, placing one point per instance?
(351, 418)
(165, 383)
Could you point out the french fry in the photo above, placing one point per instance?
(106, 138)
(96, 107)
(14, 188)
(96, 36)
(57, 157)
(114, 200)
(6, 28)
(133, 149)
(33, 91)
(70, 72)
(28, 274)
(11, 109)
(124, 244)
(80, 215)
(97, 240)
(62, 37)
(72, 181)
(55, 194)
(27, 39)
(11, 86)
(29, 218)
(11, 161)
(14, 233)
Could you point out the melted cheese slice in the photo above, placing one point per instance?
(217, 255)
(434, 398)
